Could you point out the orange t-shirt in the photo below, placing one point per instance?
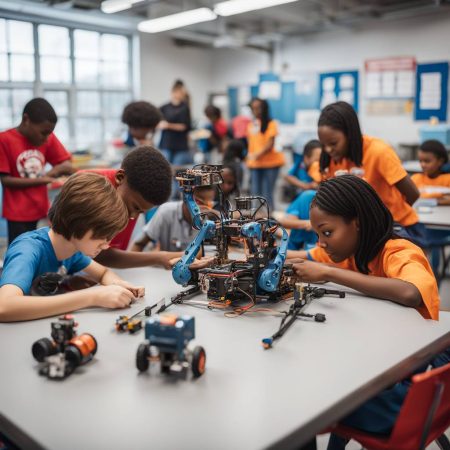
(314, 172)
(381, 168)
(399, 259)
(422, 182)
(257, 141)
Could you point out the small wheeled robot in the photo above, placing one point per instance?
(62, 355)
(167, 337)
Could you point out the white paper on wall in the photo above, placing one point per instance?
(270, 90)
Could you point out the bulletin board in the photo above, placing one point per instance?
(336, 86)
(431, 91)
(285, 95)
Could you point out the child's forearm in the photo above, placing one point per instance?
(296, 254)
(20, 183)
(297, 183)
(393, 289)
(295, 223)
(18, 307)
(109, 277)
(121, 259)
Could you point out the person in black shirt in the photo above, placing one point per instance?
(175, 127)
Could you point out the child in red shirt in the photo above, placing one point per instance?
(24, 151)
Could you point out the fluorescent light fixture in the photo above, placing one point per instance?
(113, 6)
(231, 7)
(177, 20)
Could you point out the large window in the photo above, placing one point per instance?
(85, 75)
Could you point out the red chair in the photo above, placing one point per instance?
(423, 418)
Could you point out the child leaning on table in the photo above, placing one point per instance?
(358, 248)
(85, 216)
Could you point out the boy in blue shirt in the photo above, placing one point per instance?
(85, 216)
(300, 175)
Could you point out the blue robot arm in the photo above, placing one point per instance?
(270, 277)
(194, 210)
(180, 272)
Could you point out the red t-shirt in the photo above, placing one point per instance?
(19, 158)
(220, 128)
(122, 239)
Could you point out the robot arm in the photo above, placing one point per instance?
(270, 276)
(194, 210)
(180, 272)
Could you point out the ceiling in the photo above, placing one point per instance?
(261, 29)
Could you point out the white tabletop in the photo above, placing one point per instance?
(412, 166)
(435, 216)
(248, 398)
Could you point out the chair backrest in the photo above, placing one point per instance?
(427, 405)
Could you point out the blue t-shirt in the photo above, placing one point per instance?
(30, 255)
(298, 170)
(300, 208)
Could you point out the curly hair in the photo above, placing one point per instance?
(141, 115)
(148, 173)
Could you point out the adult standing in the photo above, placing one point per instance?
(263, 160)
(175, 126)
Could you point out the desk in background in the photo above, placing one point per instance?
(435, 217)
(248, 398)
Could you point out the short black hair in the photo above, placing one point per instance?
(350, 197)
(437, 148)
(235, 149)
(342, 117)
(141, 114)
(148, 173)
(214, 111)
(39, 110)
(310, 146)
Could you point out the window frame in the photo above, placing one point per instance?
(39, 87)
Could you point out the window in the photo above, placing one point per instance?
(85, 75)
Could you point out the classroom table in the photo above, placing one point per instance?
(437, 217)
(412, 166)
(248, 398)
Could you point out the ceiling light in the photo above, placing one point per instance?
(231, 7)
(113, 6)
(177, 20)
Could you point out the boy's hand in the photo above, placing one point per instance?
(137, 291)
(310, 271)
(112, 296)
(201, 263)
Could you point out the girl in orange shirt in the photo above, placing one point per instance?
(263, 160)
(432, 156)
(358, 248)
(346, 150)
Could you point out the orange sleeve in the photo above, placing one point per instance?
(318, 254)
(388, 163)
(405, 261)
(314, 172)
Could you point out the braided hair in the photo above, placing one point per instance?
(341, 116)
(351, 197)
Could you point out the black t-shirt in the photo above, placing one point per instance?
(175, 140)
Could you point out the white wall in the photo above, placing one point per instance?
(428, 39)
(234, 67)
(214, 70)
(162, 62)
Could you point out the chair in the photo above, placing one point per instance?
(423, 418)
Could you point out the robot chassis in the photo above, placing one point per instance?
(262, 276)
